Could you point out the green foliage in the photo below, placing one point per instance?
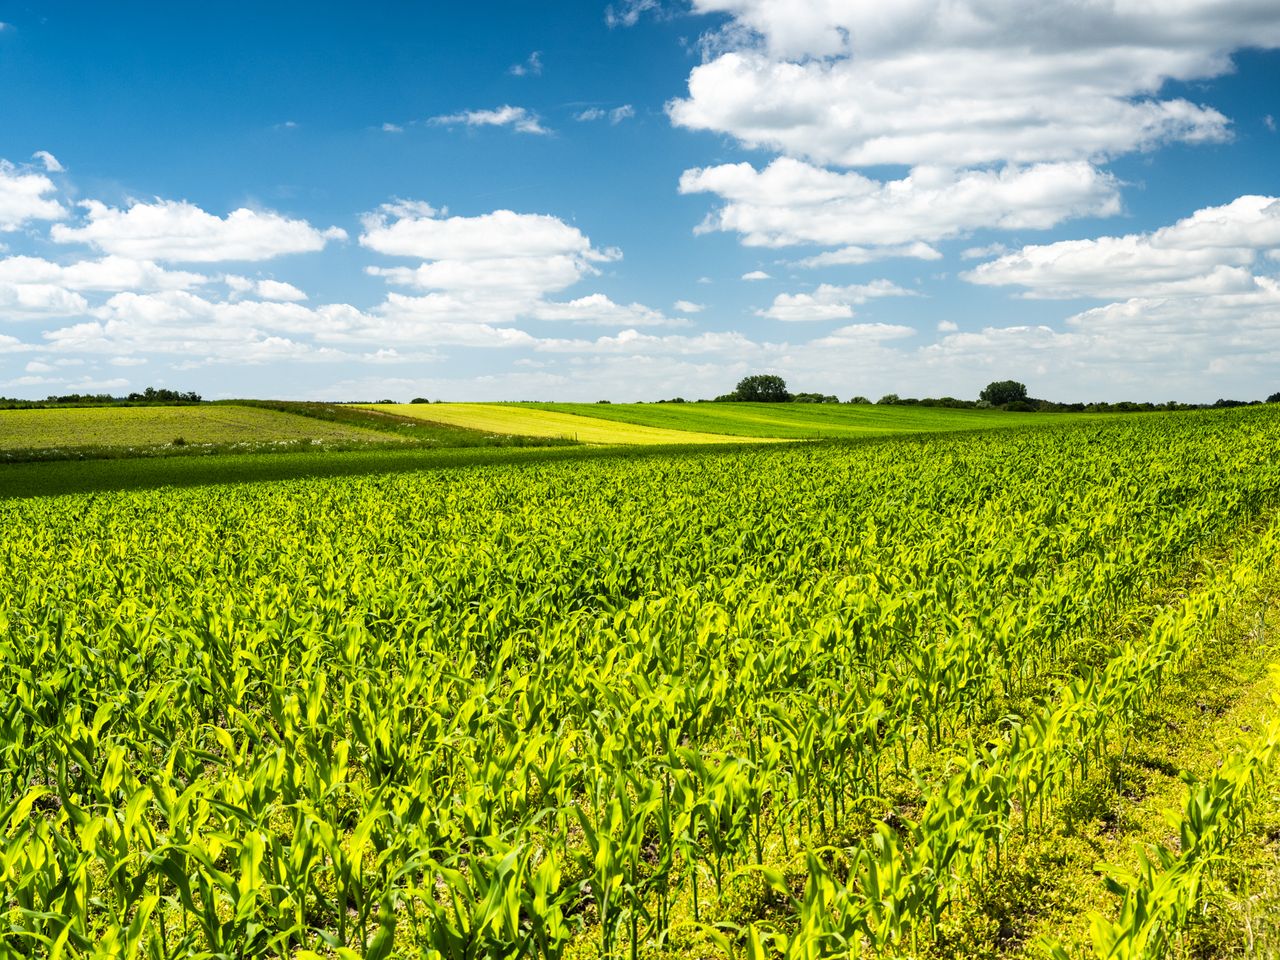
(1000, 392)
(600, 706)
(761, 388)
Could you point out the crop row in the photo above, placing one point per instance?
(579, 706)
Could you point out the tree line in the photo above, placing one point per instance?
(1009, 395)
(151, 395)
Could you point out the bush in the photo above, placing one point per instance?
(889, 398)
(858, 399)
(419, 400)
(1274, 398)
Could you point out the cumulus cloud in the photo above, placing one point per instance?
(854, 256)
(488, 271)
(26, 195)
(688, 306)
(965, 82)
(183, 232)
(178, 322)
(1210, 252)
(829, 302)
(793, 202)
(598, 309)
(28, 301)
(496, 265)
(106, 274)
(264, 289)
(517, 118)
(756, 275)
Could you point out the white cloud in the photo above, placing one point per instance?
(531, 67)
(863, 333)
(24, 196)
(106, 274)
(178, 322)
(964, 82)
(627, 13)
(415, 230)
(27, 301)
(264, 289)
(1269, 122)
(792, 202)
(598, 309)
(392, 128)
(518, 118)
(615, 115)
(688, 306)
(180, 231)
(829, 302)
(979, 253)
(50, 162)
(948, 326)
(1209, 252)
(854, 256)
(756, 275)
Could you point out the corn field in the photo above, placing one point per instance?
(791, 702)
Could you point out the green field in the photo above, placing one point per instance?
(541, 421)
(119, 428)
(799, 420)
(894, 697)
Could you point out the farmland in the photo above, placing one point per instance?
(534, 421)
(121, 428)
(799, 420)
(885, 698)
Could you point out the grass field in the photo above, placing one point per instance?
(119, 428)
(46, 478)
(892, 697)
(800, 420)
(530, 420)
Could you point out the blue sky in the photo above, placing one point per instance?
(641, 199)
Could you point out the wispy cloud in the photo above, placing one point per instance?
(614, 116)
(531, 67)
(51, 164)
(518, 118)
(627, 13)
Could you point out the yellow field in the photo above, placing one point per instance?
(531, 422)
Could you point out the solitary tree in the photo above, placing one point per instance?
(1001, 392)
(1274, 398)
(762, 388)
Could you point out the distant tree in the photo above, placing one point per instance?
(814, 398)
(604, 401)
(1000, 392)
(163, 395)
(762, 388)
(1274, 398)
(889, 399)
(859, 399)
(419, 400)
(386, 401)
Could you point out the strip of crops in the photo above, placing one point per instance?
(751, 699)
